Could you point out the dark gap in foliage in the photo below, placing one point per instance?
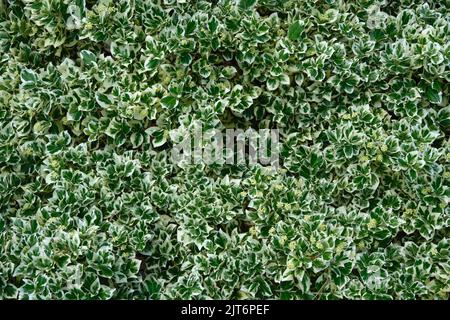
(244, 226)
(438, 143)
(90, 4)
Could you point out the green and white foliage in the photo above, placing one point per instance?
(93, 92)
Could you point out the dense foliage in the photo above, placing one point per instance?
(92, 94)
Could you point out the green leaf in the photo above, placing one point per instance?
(88, 57)
(29, 78)
(434, 96)
(169, 102)
(103, 100)
(295, 30)
(348, 151)
(151, 63)
(105, 271)
(159, 136)
(272, 84)
(28, 75)
(136, 139)
(213, 24)
(190, 27)
(246, 4)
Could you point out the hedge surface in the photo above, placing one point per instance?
(93, 94)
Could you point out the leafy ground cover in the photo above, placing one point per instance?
(94, 93)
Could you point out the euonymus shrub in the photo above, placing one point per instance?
(93, 94)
